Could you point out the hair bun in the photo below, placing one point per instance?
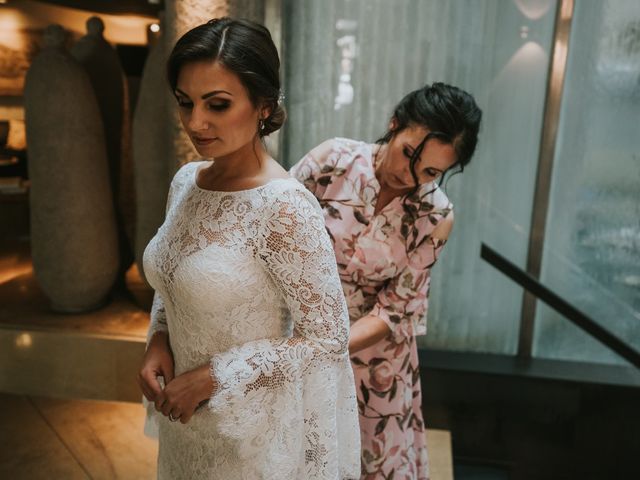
(274, 121)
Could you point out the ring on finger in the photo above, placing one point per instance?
(172, 418)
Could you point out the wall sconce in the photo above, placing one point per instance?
(153, 34)
(23, 340)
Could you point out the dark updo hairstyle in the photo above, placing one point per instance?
(244, 48)
(450, 114)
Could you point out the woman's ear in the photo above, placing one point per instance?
(265, 112)
(393, 124)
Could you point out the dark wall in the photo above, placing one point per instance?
(535, 428)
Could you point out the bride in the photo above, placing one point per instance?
(249, 326)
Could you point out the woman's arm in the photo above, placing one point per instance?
(443, 230)
(297, 253)
(367, 331)
(372, 328)
(158, 358)
(314, 170)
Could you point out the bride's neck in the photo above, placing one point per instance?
(248, 161)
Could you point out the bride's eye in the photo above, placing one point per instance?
(219, 106)
(184, 103)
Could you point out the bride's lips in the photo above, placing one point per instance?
(202, 141)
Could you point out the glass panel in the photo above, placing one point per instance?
(592, 245)
(348, 62)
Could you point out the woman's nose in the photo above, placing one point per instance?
(198, 120)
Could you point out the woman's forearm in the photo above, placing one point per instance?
(365, 332)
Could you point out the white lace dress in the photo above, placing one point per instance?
(247, 282)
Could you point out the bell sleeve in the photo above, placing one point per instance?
(297, 390)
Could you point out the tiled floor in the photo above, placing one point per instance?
(43, 438)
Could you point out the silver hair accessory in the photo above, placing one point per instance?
(280, 98)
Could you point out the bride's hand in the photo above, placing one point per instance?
(185, 393)
(157, 362)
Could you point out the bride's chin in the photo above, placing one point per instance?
(206, 151)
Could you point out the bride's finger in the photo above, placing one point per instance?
(175, 415)
(160, 402)
(148, 394)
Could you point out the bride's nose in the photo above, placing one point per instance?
(198, 120)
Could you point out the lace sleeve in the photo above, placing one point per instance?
(158, 317)
(297, 253)
(158, 314)
(303, 382)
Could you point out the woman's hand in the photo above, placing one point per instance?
(365, 332)
(185, 393)
(157, 362)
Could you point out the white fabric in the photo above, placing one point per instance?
(247, 282)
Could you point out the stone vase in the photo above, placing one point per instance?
(73, 229)
(107, 77)
(153, 165)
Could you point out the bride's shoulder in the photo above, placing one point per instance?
(186, 172)
(287, 194)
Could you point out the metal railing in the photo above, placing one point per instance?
(571, 313)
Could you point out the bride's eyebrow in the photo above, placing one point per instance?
(215, 92)
(206, 95)
(177, 92)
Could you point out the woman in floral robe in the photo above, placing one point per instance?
(388, 221)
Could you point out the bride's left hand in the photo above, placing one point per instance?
(182, 396)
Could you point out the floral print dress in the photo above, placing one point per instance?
(384, 262)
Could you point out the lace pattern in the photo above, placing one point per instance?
(158, 317)
(247, 282)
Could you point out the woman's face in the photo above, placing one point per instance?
(395, 170)
(215, 109)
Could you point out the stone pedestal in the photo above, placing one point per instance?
(73, 230)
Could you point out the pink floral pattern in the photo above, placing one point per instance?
(384, 261)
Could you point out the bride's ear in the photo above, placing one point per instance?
(265, 113)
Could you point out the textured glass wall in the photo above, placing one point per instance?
(592, 245)
(347, 63)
